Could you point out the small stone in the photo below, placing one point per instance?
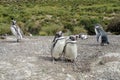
(70, 77)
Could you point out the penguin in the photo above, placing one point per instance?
(17, 32)
(83, 36)
(70, 50)
(101, 35)
(58, 44)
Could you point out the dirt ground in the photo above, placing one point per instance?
(30, 59)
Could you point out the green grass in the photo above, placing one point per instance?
(37, 16)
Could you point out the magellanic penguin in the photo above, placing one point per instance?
(57, 46)
(16, 31)
(101, 35)
(70, 50)
(83, 36)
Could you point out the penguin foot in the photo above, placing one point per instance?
(54, 59)
(69, 60)
(108, 43)
(18, 40)
(102, 44)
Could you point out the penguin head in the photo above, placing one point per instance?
(80, 35)
(77, 36)
(72, 38)
(59, 34)
(13, 21)
(97, 26)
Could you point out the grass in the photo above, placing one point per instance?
(63, 12)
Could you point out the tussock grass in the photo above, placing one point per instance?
(63, 13)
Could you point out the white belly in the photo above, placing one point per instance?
(17, 33)
(84, 36)
(58, 49)
(71, 51)
(13, 31)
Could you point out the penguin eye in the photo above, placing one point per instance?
(71, 38)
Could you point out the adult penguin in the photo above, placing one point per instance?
(101, 34)
(57, 46)
(70, 51)
(16, 30)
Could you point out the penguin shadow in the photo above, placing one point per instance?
(49, 58)
(68, 64)
(46, 58)
(91, 44)
(11, 41)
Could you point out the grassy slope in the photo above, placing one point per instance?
(45, 17)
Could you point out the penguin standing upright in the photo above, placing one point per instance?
(101, 34)
(70, 51)
(57, 46)
(16, 30)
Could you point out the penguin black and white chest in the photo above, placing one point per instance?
(101, 34)
(16, 31)
(58, 45)
(71, 49)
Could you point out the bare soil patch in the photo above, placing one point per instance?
(31, 60)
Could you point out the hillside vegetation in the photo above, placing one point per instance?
(45, 17)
